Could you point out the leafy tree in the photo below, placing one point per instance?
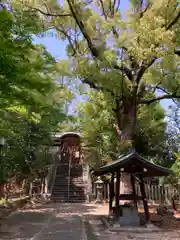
(174, 118)
(176, 168)
(127, 59)
(32, 103)
(95, 120)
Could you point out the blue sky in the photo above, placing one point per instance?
(58, 49)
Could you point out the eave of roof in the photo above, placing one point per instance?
(125, 158)
(60, 135)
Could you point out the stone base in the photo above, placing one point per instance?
(98, 201)
(146, 229)
(116, 227)
(129, 217)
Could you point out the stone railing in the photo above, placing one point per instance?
(50, 178)
(87, 179)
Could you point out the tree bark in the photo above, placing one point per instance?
(2, 194)
(126, 122)
(126, 116)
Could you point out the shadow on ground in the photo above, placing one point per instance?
(23, 224)
(62, 221)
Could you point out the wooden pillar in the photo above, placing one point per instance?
(111, 192)
(146, 208)
(117, 193)
(134, 191)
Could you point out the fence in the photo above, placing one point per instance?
(156, 194)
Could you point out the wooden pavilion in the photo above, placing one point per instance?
(138, 168)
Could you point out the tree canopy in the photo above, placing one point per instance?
(32, 103)
(101, 142)
(127, 58)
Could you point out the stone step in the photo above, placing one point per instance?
(72, 172)
(66, 190)
(66, 195)
(66, 176)
(71, 184)
(76, 187)
(77, 184)
(61, 181)
(63, 178)
(66, 198)
(66, 182)
(70, 190)
(70, 197)
(68, 201)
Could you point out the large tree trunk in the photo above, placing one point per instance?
(2, 194)
(126, 122)
(126, 128)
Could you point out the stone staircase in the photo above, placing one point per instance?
(76, 186)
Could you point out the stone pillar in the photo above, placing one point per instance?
(87, 182)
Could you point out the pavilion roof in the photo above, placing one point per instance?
(132, 161)
(57, 137)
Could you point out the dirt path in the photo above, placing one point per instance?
(51, 222)
(69, 222)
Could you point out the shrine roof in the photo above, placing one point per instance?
(133, 162)
(64, 134)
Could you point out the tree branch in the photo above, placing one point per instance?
(177, 52)
(142, 12)
(118, 5)
(93, 85)
(69, 39)
(94, 50)
(143, 68)
(165, 96)
(51, 14)
(124, 69)
(103, 10)
(174, 21)
(166, 92)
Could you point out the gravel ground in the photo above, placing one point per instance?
(50, 222)
(70, 221)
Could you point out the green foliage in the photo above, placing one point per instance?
(95, 121)
(32, 104)
(176, 165)
(176, 168)
(127, 59)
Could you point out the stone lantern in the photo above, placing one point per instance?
(2, 141)
(99, 187)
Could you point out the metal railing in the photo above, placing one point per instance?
(69, 172)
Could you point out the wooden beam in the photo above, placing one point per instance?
(145, 203)
(117, 193)
(134, 191)
(111, 192)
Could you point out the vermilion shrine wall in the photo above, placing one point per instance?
(70, 149)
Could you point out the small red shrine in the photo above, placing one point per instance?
(69, 147)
